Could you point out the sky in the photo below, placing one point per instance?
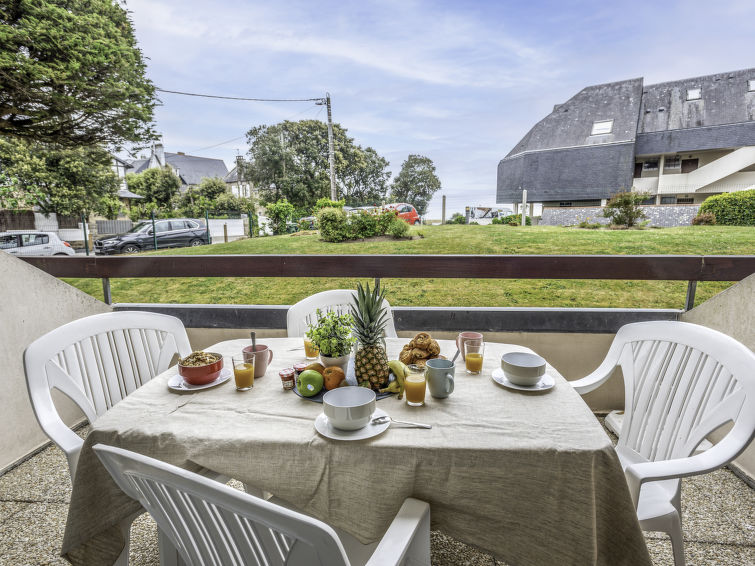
(458, 82)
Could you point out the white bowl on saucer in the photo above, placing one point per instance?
(521, 368)
(349, 408)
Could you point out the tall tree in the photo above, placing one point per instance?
(367, 184)
(212, 187)
(156, 185)
(290, 160)
(55, 179)
(416, 183)
(71, 74)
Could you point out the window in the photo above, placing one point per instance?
(751, 85)
(668, 200)
(685, 200)
(564, 204)
(601, 127)
(162, 226)
(648, 201)
(651, 165)
(34, 239)
(178, 225)
(672, 163)
(7, 242)
(694, 93)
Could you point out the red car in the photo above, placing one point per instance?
(405, 211)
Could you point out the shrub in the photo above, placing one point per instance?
(496, 220)
(731, 209)
(279, 213)
(588, 225)
(515, 220)
(385, 218)
(704, 219)
(333, 225)
(364, 225)
(624, 208)
(325, 202)
(457, 218)
(398, 228)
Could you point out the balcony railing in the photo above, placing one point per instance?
(650, 268)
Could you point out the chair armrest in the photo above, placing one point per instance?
(598, 377)
(405, 526)
(704, 462)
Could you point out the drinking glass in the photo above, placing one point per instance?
(243, 372)
(473, 355)
(414, 386)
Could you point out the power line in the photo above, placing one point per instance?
(241, 98)
(219, 144)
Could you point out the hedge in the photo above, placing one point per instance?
(731, 209)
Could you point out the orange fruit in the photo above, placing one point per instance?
(333, 377)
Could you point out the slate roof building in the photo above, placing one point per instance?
(189, 168)
(681, 141)
(237, 186)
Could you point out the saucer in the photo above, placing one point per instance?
(326, 429)
(177, 383)
(546, 382)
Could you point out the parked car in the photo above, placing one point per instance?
(171, 233)
(32, 242)
(405, 211)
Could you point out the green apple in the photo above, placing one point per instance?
(310, 383)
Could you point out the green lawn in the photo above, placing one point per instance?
(699, 240)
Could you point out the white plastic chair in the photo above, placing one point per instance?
(97, 361)
(682, 381)
(296, 318)
(213, 524)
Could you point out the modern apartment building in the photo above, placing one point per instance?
(680, 141)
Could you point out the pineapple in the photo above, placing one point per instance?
(370, 318)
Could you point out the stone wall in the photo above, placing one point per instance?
(664, 215)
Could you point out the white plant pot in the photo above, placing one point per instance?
(341, 361)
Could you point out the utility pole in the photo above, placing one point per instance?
(331, 150)
(443, 217)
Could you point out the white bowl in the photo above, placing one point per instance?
(349, 408)
(521, 368)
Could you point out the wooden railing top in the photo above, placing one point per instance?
(645, 267)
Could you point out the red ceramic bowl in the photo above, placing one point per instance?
(201, 375)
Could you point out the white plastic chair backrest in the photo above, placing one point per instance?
(210, 523)
(97, 361)
(340, 299)
(683, 381)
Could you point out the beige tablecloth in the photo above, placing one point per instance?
(531, 478)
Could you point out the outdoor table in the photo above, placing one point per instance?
(528, 477)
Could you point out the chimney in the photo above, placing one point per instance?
(160, 154)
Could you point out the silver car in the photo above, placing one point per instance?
(32, 242)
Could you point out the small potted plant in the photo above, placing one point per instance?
(332, 336)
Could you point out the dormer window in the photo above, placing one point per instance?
(694, 93)
(751, 85)
(601, 127)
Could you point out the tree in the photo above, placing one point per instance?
(367, 183)
(416, 183)
(212, 187)
(71, 74)
(279, 213)
(156, 185)
(57, 179)
(290, 160)
(624, 208)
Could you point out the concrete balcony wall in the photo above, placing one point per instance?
(645, 184)
(33, 303)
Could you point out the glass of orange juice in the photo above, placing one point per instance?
(474, 351)
(310, 350)
(415, 385)
(243, 372)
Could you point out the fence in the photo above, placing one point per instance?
(224, 226)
